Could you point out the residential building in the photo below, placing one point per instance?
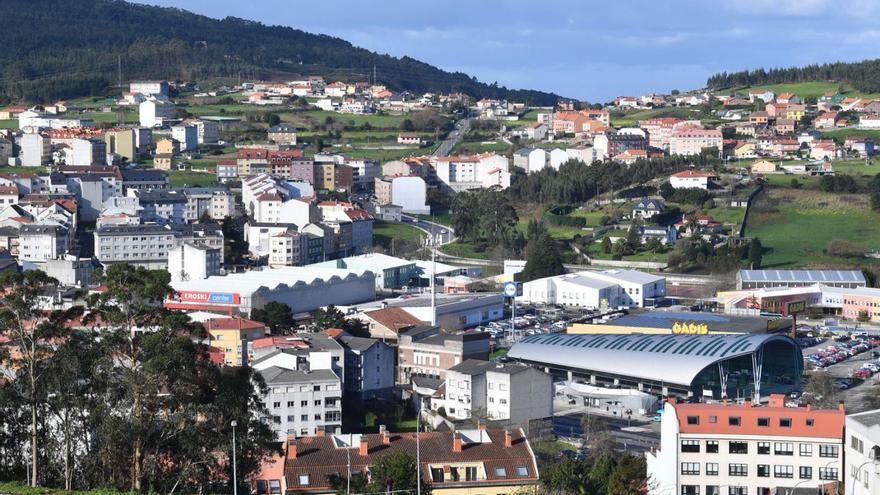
(190, 261)
(647, 208)
(162, 206)
(410, 193)
(148, 245)
(150, 88)
(164, 157)
(140, 179)
(121, 142)
(215, 202)
(862, 454)
(155, 112)
(42, 242)
(511, 392)
(763, 167)
(869, 122)
(388, 322)
(610, 145)
(303, 403)
(748, 448)
(233, 336)
(462, 173)
(283, 134)
(187, 137)
(693, 140)
(530, 159)
(36, 150)
(369, 367)
(486, 462)
(692, 179)
(426, 351)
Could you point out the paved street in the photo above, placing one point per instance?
(461, 128)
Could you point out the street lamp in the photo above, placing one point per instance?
(234, 476)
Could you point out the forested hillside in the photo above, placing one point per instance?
(863, 76)
(61, 48)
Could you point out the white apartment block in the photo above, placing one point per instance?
(42, 242)
(36, 150)
(595, 289)
(303, 402)
(154, 113)
(725, 448)
(462, 173)
(190, 261)
(498, 392)
(217, 203)
(693, 140)
(148, 245)
(863, 453)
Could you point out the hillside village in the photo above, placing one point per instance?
(438, 292)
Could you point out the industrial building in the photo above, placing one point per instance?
(756, 279)
(596, 289)
(711, 366)
(682, 322)
(303, 289)
(853, 303)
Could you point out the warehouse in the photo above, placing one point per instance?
(595, 289)
(756, 279)
(711, 366)
(684, 322)
(304, 289)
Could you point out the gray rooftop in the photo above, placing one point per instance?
(868, 418)
(276, 374)
(670, 358)
(478, 367)
(809, 276)
(356, 343)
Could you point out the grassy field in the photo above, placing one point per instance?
(384, 232)
(840, 135)
(187, 178)
(9, 124)
(630, 118)
(480, 147)
(807, 89)
(463, 250)
(725, 215)
(797, 226)
(309, 118)
(593, 217)
(20, 170)
(380, 155)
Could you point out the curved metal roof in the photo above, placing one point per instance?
(672, 358)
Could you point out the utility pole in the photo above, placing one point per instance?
(119, 70)
(433, 287)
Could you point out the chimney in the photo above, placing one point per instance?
(508, 440)
(320, 431)
(456, 443)
(291, 448)
(747, 403)
(841, 407)
(381, 429)
(365, 447)
(481, 425)
(386, 438)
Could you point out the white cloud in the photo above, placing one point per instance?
(785, 8)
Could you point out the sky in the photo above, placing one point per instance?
(585, 49)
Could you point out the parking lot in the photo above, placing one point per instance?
(853, 362)
(532, 320)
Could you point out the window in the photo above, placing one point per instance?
(501, 472)
(713, 419)
(734, 420)
(783, 471)
(453, 473)
(690, 445)
(737, 490)
(304, 417)
(690, 490)
(785, 422)
(693, 420)
(738, 469)
(828, 474)
(712, 469)
(763, 421)
(764, 448)
(304, 403)
(805, 472)
(763, 470)
(262, 487)
(828, 451)
(738, 447)
(856, 444)
(304, 480)
(522, 471)
(712, 446)
(470, 474)
(809, 421)
(274, 486)
(690, 468)
(276, 405)
(783, 448)
(437, 475)
(316, 388)
(806, 450)
(318, 402)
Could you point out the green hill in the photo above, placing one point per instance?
(61, 48)
(863, 77)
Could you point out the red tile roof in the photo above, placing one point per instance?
(319, 457)
(394, 319)
(694, 173)
(233, 323)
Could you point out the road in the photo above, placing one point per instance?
(461, 128)
(569, 425)
(442, 234)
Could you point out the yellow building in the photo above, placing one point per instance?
(325, 176)
(122, 142)
(164, 157)
(795, 113)
(232, 336)
(763, 167)
(744, 150)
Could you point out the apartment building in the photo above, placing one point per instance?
(162, 206)
(303, 403)
(233, 336)
(426, 351)
(190, 261)
(369, 367)
(863, 453)
(215, 202)
(746, 449)
(610, 145)
(140, 179)
(510, 392)
(148, 245)
(42, 242)
(692, 140)
(462, 173)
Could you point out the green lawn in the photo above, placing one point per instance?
(464, 250)
(9, 124)
(380, 155)
(19, 170)
(593, 217)
(798, 226)
(481, 147)
(200, 110)
(110, 117)
(442, 219)
(308, 117)
(497, 353)
(187, 178)
(840, 135)
(558, 232)
(384, 232)
(726, 215)
(630, 118)
(16, 488)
